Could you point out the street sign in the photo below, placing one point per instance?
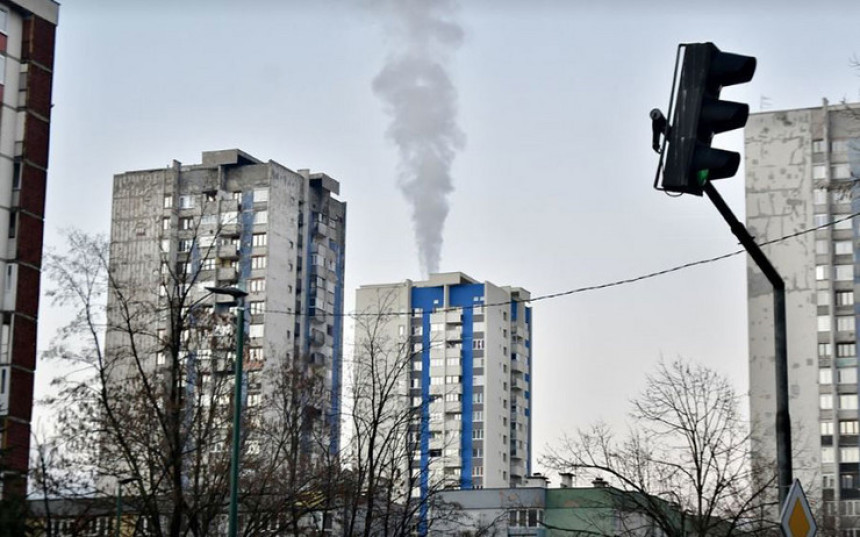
(796, 518)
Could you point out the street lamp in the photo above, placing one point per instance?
(239, 297)
(119, 485)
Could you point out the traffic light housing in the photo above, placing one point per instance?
(699, 115)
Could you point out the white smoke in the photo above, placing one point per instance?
(418, 95)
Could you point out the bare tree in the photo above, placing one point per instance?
(686, 466)
(149, 401)
(386, 489)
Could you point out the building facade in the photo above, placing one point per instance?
(232, 221)
(802, 171)
(27, 29)
(465, 370)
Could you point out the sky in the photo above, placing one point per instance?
(552, 183)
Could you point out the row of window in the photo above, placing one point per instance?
(844, 323)
(846, 427)
(189, 201)
(837, 171)
(836, 146)
(843, 350)
(846, 401)
(844, 375)
(822, 247)
(843, 298)
(840, 273)
(837, 195)
(846, 454)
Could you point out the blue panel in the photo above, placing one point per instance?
(336, 353)
(463, 296)
(527, 377)
(514, 308)
(528, 394)
(246, 237)
(528, 412)
(425, 299)
(528, 316)
(529, 367)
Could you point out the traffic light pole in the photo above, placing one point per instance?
(783, 423)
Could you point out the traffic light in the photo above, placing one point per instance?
(699, 114)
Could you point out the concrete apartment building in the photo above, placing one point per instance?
(469, 351)
(236, 221)
(802, 168)
(27, 29)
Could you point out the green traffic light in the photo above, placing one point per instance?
(702, 177)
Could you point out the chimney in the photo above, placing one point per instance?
(566, 480)
(599, 482)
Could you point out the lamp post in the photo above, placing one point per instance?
(119, 485)
(239, 297)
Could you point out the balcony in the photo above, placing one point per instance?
(228, 251)
(226, 274)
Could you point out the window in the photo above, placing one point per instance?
(847, 375)
(186, 202)
(845, 323)
(828, 481)
(13, 221)
(840, 171)
(825, 376)
(849, 454)
(255, 331)
(827, 455)
(478, 470)
(827, 428)
(256, 354)
(846, 481)
(207, 264)
(186, 223)
(258, 262)
(478, 397)
(845, 298)
(820, 220)
(261, 217)
(823, 298)
(168, 201)
(819, 196)
(844, 273)
(822, 272)
(453, 362)
(257, 285)
(478, 344)
(261, 194)
(819, 171)
(478, 380)
(825, 401)
(165, 224)
(257, 307)
(260, 239)
(185, 245)
(839, 146)
(842, 223)
(848, 402)
(822, 247)
(818, 146)
(229, 218)
(477, 434)
(825, 350)
(849, 427)
(843, 248)
(478, 415)
(846, 350)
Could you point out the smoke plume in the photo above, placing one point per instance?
(418, 95)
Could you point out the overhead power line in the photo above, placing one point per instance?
(606, 285)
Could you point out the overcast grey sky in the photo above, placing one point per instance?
(552, 189)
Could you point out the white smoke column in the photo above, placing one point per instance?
(422, 102)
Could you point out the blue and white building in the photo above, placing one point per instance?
(469, 351)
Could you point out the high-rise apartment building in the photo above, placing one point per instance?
(233, 221)
(27, 30)
(463, 352)
(802, 171)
